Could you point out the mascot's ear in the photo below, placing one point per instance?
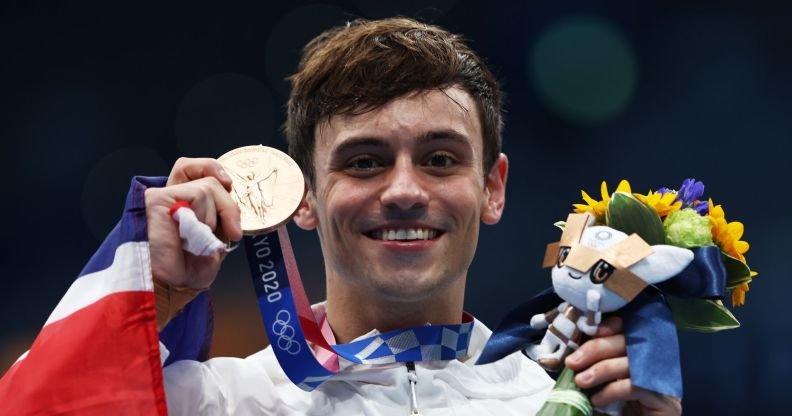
(665, 263)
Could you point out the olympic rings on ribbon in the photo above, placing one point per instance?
(285, 333)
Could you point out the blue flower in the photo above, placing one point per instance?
(702, 207)
(690, 192)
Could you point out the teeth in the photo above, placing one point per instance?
(404, 234)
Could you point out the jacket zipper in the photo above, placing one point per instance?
(412, 378)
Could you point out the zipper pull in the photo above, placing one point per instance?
(412, 377)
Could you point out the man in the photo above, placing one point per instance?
(397, 128)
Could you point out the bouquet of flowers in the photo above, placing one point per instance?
(681, 218)
(664, 260)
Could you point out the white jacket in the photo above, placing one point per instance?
(256, 385)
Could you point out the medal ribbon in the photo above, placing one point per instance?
(291, 325)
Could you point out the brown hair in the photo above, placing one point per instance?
(363, 65)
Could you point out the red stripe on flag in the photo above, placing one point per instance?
(103, 359)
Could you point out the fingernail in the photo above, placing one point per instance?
(575, 357)
(223, 173)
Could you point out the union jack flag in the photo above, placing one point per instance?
(99, 352)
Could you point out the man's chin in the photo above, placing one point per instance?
(408, 288)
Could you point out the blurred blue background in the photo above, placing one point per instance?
(649, 91)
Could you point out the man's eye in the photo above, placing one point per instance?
(440, 161)
(364, 163)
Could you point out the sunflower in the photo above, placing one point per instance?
(727, 234)
(662, 203)
(738, 293)
(598, 208)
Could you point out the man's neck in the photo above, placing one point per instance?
(352, 313)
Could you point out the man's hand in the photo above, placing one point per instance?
(602, 361)
(204, 184)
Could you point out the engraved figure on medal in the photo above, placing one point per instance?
(267, 186)
(254, 195)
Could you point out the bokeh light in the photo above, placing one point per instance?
(224, 112)
(106, 186)
(289, 36)
(584, 69)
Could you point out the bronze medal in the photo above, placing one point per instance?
(268, 186)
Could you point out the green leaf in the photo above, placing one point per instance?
(702, 315)
(737, 272)
(629, 215)
(560, 224)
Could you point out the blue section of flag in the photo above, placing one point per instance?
(188, 336)
(131, 227)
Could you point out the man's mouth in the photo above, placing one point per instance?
(404, 234)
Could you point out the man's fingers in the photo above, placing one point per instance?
(204, 202)
(210, 201)
(217, 203)
(651, 402)
(595, 350)
(603, 372)
(230, 217)
(611, 326)
(190, 169)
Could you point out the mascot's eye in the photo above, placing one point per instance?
(601, 271)
(563, 252)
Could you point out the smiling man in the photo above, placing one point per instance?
(406, 193)
(397, 127)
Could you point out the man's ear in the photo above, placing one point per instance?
(306, 217)
(495, 191)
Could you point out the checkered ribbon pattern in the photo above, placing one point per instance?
(295, 335)
(431, 342)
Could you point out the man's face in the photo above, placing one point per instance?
(399, 195)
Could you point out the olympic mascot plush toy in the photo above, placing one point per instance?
(596, 269)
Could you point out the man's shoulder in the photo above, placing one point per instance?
(514, 368)
(266, 362)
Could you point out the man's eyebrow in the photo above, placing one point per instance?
(379, 142)
(363, 141)
(448, 134)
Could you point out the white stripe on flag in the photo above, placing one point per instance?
(21, 357)
(130, 271)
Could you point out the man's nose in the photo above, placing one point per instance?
(405, 188)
